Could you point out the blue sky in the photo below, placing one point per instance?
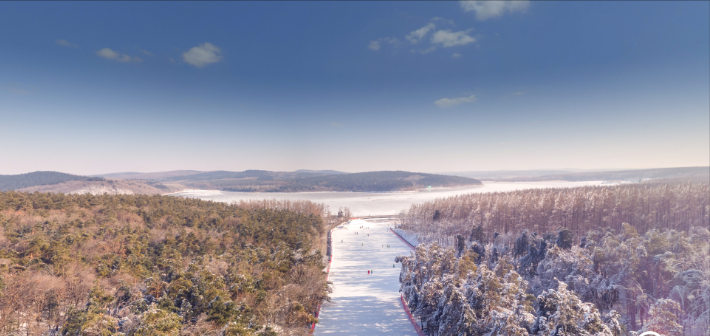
(98, 87)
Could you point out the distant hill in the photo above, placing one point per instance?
(195, 175)
(57, 182)
(112, 187)
(149, 176)
(377, 181)
(300, 180)
(324, 172)
(13, 182)
(636, 175)
(263, 175)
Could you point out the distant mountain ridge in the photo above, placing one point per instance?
(313, 180)
(149, 176)
(19, 181)
(299, 180)
(377, 181)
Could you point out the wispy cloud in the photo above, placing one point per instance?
(451, 102)
(109, 54)
(518, 93)
(441, 38)
(420, 33)
(65, 43)
(335, 124)
(202, 55)
(456, 55)
(448, 39)
(377, 44)
(374, 45)
(489, 9)
(146, 52)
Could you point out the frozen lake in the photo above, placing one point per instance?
(366, 203)
(365, 304)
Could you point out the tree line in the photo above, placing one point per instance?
(644, 206)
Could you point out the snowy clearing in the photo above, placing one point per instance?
(365, 304)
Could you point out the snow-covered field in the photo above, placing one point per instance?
(365, 304)
(371, 203)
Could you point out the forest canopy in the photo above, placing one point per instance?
(604, 261)
(157, 265)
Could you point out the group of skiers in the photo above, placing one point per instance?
(370, 272)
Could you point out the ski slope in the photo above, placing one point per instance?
(363, 304)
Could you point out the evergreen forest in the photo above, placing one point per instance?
(158, 265)
(604, 261)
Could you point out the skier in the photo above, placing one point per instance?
(392, 265)
(368, 271)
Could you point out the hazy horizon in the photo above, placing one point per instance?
(102, 87)
(543, 171)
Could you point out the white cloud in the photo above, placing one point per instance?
(374, 45)
(456, 55)
(377, 44)
(451, 102)
(335, 124)
(114, 56)
(146, 52)
(202, 55)
(490, 9)
(419, 34)
(447, 38)
(65, 43)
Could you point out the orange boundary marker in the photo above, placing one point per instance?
(404, 240)
(417, 328)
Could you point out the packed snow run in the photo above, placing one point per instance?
(365, 298)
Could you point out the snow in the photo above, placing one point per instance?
(409, 236)
(363, 304)
(372, 203)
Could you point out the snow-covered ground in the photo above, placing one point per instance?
(410, 237)
(365, 204)
(365, 304)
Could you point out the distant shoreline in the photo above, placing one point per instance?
(332, 191)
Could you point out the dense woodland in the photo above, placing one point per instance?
(644, 206)
(157, 265)
(586, 261)
(686, 173)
